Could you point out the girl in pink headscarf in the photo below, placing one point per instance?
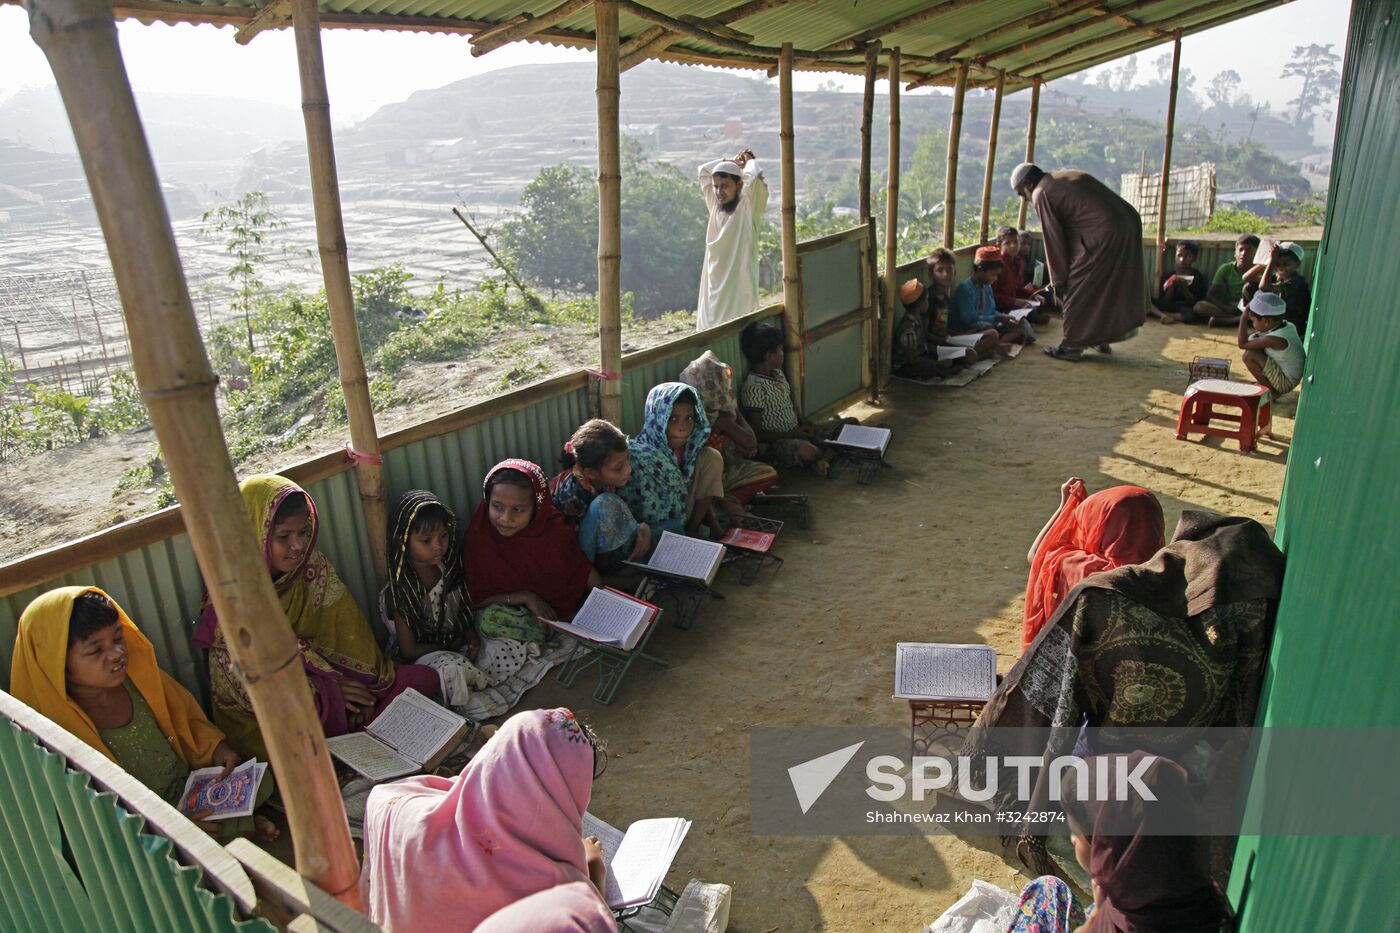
(1088, 534)
(510, 825)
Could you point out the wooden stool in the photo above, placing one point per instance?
(1251, 401)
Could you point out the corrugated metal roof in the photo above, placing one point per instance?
(1027, 38)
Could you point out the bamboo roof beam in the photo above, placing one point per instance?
(274, 15)
(1060, 63)
(898, 25)
(1020, 25)
(657, 39)
(1055, 35)
(710, 37)
(523, 26)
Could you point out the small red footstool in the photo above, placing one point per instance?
(1246, 404)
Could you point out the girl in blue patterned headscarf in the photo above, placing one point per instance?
(676, 479)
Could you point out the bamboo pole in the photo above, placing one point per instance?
(335, 270)
(950, 190)
(1030, 147)
(867, 115)
(891, 229)
(609, 213)
(991, 161)
(794, 334)
(79, 37)
(19, 342)
(1167, 162)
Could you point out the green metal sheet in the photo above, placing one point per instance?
(829, 289)
(833, 368)
(72, 858)
(1336, 641)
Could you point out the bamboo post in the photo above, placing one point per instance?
(79, 37)
(609, 213)
(1167, 162)
(891, 228)
(102, 339)
(982, 228)
(950, 190)
(335, 270)
(1030, 146)
(795, 333)
(867, 115)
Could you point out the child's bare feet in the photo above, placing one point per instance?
(822, 467)
(264, 829)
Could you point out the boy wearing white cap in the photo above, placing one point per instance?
(1280, 275)
(1273, 351)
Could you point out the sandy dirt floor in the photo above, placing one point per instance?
(934, 550)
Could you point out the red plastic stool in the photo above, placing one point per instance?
(1251, 401)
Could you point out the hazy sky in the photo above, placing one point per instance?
(203, 59)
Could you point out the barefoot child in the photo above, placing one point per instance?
(677, 482)
(916, 356)
(785, 440)
(943, 266)
(1221, 304)
(974, 308)
(1182, 288)
(597, 464)
(1273, 351)
(82, 663)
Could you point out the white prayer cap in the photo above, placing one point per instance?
(1293, 248)
(1019, 173)
(728, 168)
(1267, 304)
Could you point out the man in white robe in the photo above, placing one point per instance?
(736, 195)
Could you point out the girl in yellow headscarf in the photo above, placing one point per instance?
(351, 679)
(82, 663)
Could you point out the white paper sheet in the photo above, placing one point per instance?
(370, 757)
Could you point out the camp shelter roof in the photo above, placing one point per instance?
(1027, 39)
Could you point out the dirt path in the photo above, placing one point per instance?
(932, 551)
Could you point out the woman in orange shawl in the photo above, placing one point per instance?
(1087, 535)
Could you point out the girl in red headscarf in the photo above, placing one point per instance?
(522, 558)
(1088, 535)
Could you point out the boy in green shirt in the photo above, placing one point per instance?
(1221, 304)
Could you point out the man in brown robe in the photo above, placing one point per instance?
(1093, 250)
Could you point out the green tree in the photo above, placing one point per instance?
(554, 239)
(1317, 66)
(1223, 88)
(245, 225)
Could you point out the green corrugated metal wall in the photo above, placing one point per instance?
(1338, 632)
(71, 858)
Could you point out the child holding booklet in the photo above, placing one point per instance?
(81, 662)
(508, 827)
(942, 267)
(597, 464)
(352, 681)
(677, 482)
(522, 559)
(1181, 289)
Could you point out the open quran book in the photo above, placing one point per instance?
(609, 617)
(683, 558)
(859, 437)
(637, 859)
(412, 734)
(947, 673)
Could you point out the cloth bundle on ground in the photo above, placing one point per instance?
(1112, 528)
(1176, 643)
(457, 850)
(166, 720)
(333, 637)
(713, 381)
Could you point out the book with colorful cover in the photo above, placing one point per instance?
(748, 540)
